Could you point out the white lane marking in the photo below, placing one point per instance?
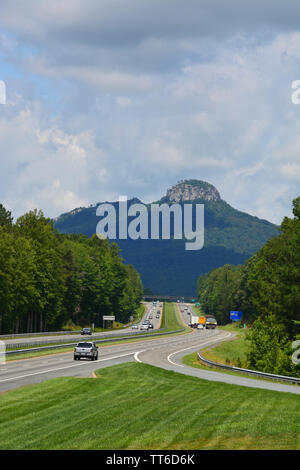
(136, 355)
(191, 347)
(66, 367)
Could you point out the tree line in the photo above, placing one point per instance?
(267, 290)
(48, 278)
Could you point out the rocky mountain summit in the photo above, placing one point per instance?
(191, 190)
(231, 237)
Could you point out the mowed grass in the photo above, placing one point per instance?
(232, 352)
(138, 406)
(172, 315)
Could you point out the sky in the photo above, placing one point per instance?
(127, 97)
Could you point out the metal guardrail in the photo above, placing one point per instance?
(47, 333)
(96, 336)
(66, 345)
(63, 341)
(41, 333)
(265, 375)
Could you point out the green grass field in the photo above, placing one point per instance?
(137, 406)
(173, 320)
(232, 352)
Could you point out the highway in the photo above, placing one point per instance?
(165, 352)
(77, 337)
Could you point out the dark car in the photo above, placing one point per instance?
(150, 325)
(86, 331)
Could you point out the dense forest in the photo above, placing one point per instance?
(48, 279)
(267, 290)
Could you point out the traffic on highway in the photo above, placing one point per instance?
(164, 351)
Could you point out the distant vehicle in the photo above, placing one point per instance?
(157, 316)
(194, 321)
(88, 350)
(135, 327)
(86, 331)
(200, 327)
(185, 308)
(202, 320)
(146, 321)
(150, 317)
(210, 323)
(151, 326)
(144, 326)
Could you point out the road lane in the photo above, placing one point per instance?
(77, 337)
(35, 370)
(165, 352)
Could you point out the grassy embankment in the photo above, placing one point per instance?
(232, 352)
(174, 321)
(120, 415)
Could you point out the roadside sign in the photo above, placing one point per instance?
(109, 317)
(235, 315)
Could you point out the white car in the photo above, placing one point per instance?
(86, 350)
(144, 326)
(135, 327)
(200, 327)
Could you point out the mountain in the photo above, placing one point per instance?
(166, 267)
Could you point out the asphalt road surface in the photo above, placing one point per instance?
(73, 338)
(165, 352)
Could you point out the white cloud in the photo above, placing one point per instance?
(127, 103)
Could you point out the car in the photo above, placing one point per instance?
(135, 327)
(146, 321)
(144, 326)
(151, 326)
(150, 317)
(157, 316)
(86, 331)
(87, 350)
(200, 327)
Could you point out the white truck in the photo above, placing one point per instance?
(194, 321)
(87, 350)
